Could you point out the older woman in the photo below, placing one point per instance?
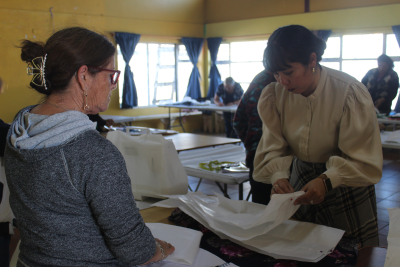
(321, 122)
(382, 83)
(70, 190)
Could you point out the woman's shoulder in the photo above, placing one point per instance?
(339, 80)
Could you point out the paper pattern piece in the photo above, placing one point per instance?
(186, 241)
(203, 259)
(393, 255)
(281, 239)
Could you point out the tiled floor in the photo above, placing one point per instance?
(387, 191)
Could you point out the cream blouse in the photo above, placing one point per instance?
(335, 125)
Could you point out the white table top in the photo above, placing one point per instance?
(384, 135)
(211, 107)
(388, 121)
(191, 159)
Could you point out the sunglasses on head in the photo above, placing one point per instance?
(114, 76)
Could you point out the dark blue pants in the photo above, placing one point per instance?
(5, 250)
(228, 117)
(260, 192)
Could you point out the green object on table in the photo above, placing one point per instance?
(214, 165)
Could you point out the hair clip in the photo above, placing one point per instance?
(37, 69)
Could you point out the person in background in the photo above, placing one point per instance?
(382, 83)
(6, 215)
(70, 190)
(321, 124)
(101, 122)
(248, 127)
(230, 92)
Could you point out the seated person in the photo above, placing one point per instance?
(70, 190)
(101, 122)
(6, 213)
(382, 83)
(230, 92)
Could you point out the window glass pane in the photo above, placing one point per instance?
(224, 71)
(183, 55)
(184, 70)
(164, 92)
(332, 65)
(358, 68)
(245, 86)
(223, 52)
(332, 48)
(392, 47)
(362, 46)
(166, 75)
(248, 51)
(245, 72)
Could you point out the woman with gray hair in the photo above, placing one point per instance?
(70, 190)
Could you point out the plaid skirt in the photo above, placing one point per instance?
(352, 209)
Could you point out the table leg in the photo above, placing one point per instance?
(248, 196)
(241, 191)
(180, 120)
(170, 119)
(198, 185)
(190, 189)
(224, 190)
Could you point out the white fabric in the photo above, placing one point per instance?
(289, 240)
(152, 163)
(191, 159)
(336, 125)
(203, 259)
(186, 241)
(393, 255)
(6, 214)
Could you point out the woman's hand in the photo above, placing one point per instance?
(314, 193)
(161, 255)
(281, 186)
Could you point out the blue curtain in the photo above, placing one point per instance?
(215, 76)
(127, 43)
(323, 34)
(193, 48)
(396, 31)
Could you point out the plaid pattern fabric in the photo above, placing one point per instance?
(352, 209)
(226, 97)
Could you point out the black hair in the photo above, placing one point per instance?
(290, 44)
(386, 59)
(67, 50)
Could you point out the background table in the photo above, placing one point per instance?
(211, 107)
(191, 159)
(188, 141)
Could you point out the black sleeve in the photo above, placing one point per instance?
(365, 79)
(393, 87)
(3, 136)
(100, 122)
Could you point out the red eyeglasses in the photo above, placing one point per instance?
(114, 76)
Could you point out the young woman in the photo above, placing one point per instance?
(321, 124)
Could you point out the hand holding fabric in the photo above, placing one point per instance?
(379, 102)
(281, 186)
(314, 193)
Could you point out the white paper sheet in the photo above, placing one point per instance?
(290, 240)
(186, 241)
(393, 255)
(146, 202)
(240, 219)
(203, 259)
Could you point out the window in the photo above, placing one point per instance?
(155, 71)
(241, 60)
(357, 54)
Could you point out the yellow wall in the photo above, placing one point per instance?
(29, 19)
(373, 17)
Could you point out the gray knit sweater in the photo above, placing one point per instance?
(74, 205)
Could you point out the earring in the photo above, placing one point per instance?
(86, 107)
(313, 70)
